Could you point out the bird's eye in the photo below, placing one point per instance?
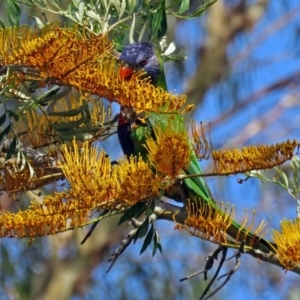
(143, 62)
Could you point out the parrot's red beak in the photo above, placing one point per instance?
(125, 73)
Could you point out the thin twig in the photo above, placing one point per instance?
(224, 253)
(123, 245)
(228, 275)
(94, 226)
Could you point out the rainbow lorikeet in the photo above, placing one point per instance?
(144, 56)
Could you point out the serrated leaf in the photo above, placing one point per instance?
(148, 239)
(133, 212)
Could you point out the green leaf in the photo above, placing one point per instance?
(150, 207)
(2, 25)
(79, 136)
(122, 8)
(14, 13)
(158, 22)
(133, 212)
(31, 171)
(81, 10)
(69, 113)
(2, 113)
(284, 182)
(53, 95)
(196, 13)
(39, 22)
(131, 39)
(131, 5)
(5, 129)
(157, 244)
(71, 125)
(13, 114)
(185, 5)
(12, 150)
(142, 230)
(148, 239)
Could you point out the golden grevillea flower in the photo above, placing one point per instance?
(59, 212)
(138, 93)
(170, 151)
(288, 243)
(56, 52)
(37, 123)
(201, 146)
(136, 181)
(254, 157)
(207, 222)
(88, 171)
(15, 179)
(213, 223)
(64, 57)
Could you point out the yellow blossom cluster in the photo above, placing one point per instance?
(63, 56)
(207, 222)
(138, 93)
(170, 151)
(215, 222)
(17, 179)
(288, 243)
(253, 157)
(56, 52)
(94, 184)
(89, 172)
(37, 122)
(58, 212)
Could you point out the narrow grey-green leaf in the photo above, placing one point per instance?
(148, 239)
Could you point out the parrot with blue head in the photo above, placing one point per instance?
(143, 56)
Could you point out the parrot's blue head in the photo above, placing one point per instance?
(140, 56)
